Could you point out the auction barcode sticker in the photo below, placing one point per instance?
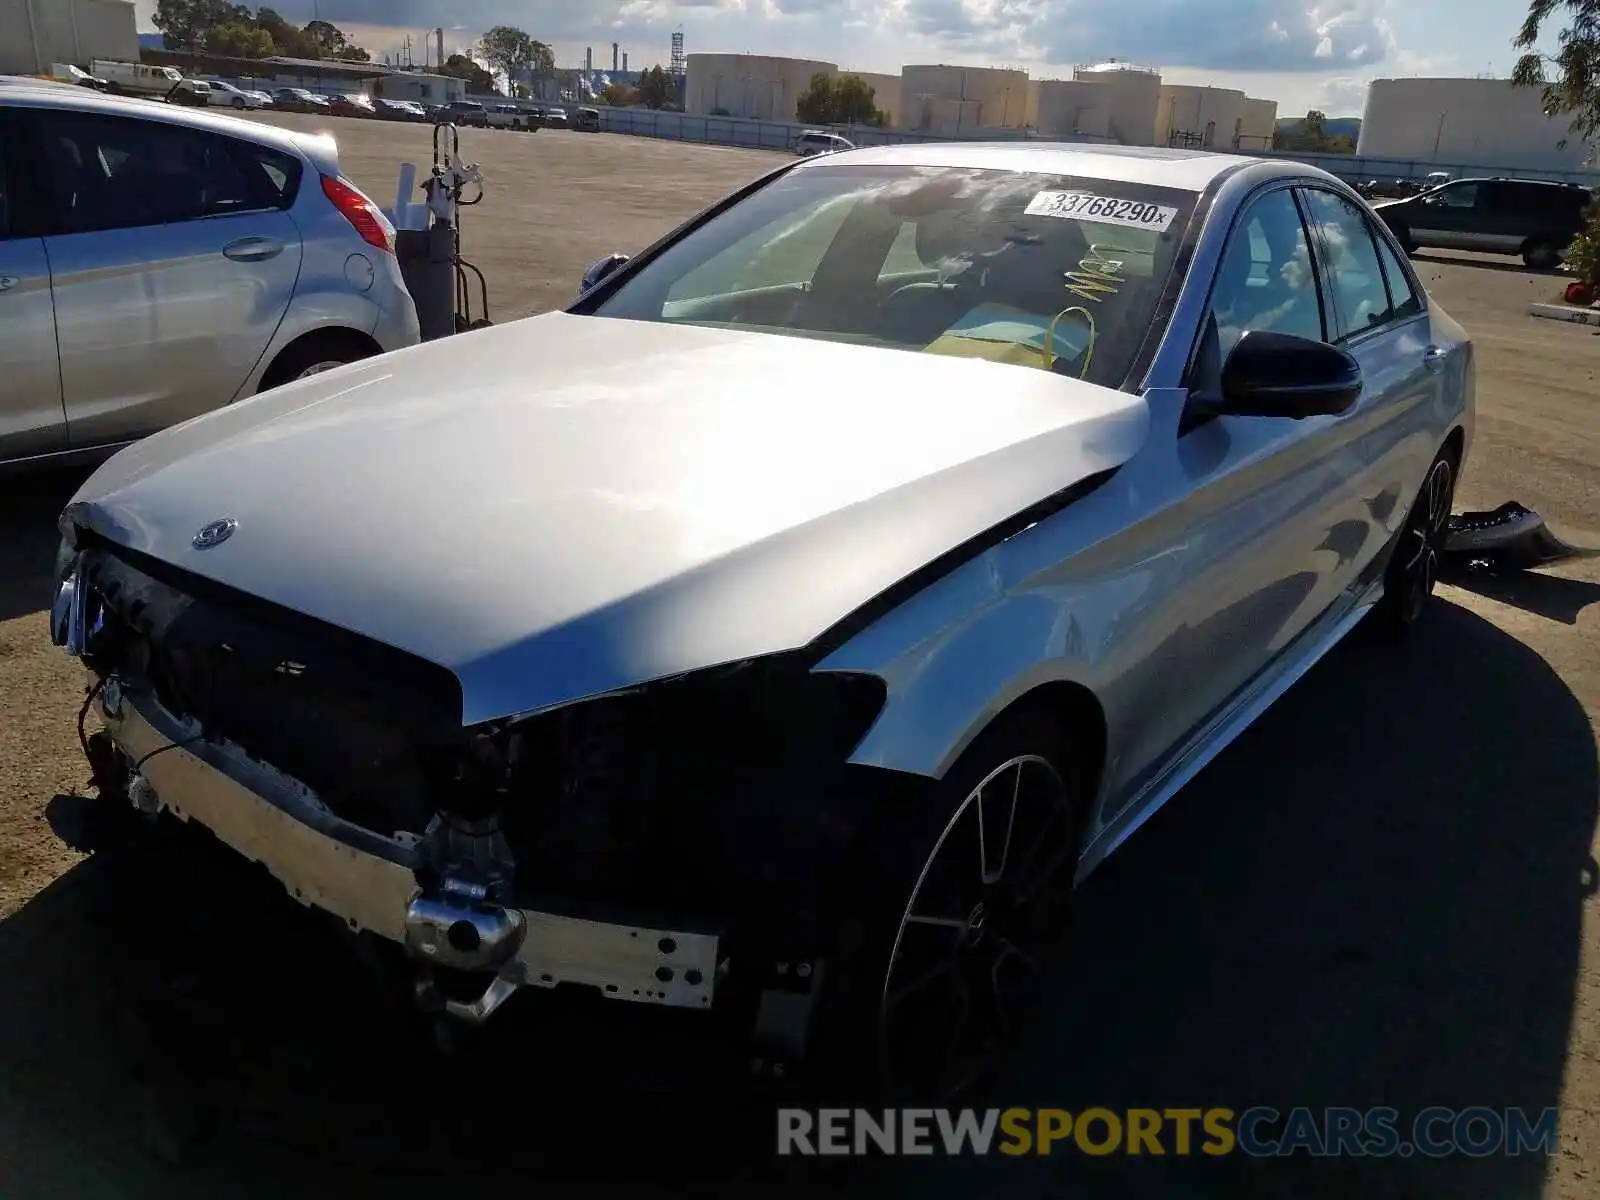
(1109, 210)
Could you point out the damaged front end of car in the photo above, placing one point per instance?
(678, 845)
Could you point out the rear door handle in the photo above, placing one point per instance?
(252, 249)
(1434, 357)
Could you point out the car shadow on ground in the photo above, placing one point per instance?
(1374, 898)
(1554, 597)
(29, 506)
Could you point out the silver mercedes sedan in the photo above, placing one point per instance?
(780, 632)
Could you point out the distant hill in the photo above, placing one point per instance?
(1349, 127)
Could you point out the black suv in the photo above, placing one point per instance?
(1528, 217)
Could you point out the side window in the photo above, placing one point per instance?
(1266, 281)
(1350, 264)
(1456, 195)
(119, 173)
(1403, 298)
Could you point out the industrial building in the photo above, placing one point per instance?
(36, 34)
(1466, 120)
(1204, 118)
(759, 87)
(1260, 124)
(956, 101)
(1070, 108)
(1132, 98)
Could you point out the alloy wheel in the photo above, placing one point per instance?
(1418, 553)
(970, 936)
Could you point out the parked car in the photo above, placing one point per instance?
(71, 73)
(175, 260)
(587, 120)
(134, 78)
(795, 691)
(225, 94)
(1533, 219)
(194, 93)
(354, 105)
(815, 141)
(466, 112)
(553, 117)
(300, 100)
(397, 110)
(508, 116)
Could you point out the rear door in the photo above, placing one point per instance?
(174, 260)
(1379, 315)
(32, 419)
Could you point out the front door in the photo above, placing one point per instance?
(173, 262)
(1459, 216)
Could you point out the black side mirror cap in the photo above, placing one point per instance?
(601, 269)
(1269, 374)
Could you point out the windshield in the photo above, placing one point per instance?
(1042, 271)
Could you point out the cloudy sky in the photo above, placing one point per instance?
(1303, 55)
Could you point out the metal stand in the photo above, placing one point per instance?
(436, 275)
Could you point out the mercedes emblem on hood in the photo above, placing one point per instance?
(215, 533)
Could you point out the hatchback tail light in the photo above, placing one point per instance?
(361, 212)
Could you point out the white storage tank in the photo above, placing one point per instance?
(760, 87)
(36, 34)
(885, 92)
(1204, 118)
(1133, 95)
(1072, 106)
(1260, 123)
(997, 98)
(1488, 123)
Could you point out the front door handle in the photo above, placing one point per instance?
(252, 249)
(1434, 357)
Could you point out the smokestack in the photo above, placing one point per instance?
(438, 41)
(588, 58)
(614, 56)
(624, 61)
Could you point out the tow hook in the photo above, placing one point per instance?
(458, 928)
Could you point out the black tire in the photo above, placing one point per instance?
(1413, 568)
(238, 102)
(869, 1043)
(1541, 255)
(313, 354)
(1403, 236)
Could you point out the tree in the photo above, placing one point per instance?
(1310, 135)
(511, 52)
(239, 40)
(289, 40)
(838, 100)
(353, 53)
(619, 95)
(1570, 78)
(184, 24)
(462, 67)
(326, 38)
(656, 88)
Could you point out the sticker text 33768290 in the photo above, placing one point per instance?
(1108, 210)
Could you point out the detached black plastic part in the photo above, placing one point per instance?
(1507, 539)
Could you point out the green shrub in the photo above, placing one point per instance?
(1583, 256)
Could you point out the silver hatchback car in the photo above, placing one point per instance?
(158, 262)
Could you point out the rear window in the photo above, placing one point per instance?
(1041, 271)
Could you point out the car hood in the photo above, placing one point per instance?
(568, 505)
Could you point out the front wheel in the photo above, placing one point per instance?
(963, 901)
(1409, 580)
(238, 102)
(1540, 255)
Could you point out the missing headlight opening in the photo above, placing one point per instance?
(626, 845)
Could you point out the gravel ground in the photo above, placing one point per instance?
(1384, 894)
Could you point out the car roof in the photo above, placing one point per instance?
(1191, 170)
(28, 93)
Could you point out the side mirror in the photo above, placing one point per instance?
(600, 269)
(1281, 375)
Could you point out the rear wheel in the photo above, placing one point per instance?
(314, 355)
(238, 102)
(962, 903)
